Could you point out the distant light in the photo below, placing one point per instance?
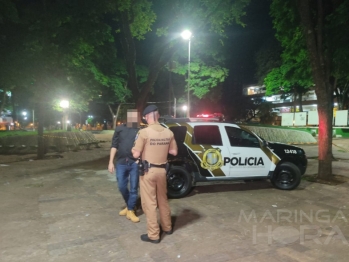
(64, 104)
(68, 121)
(186, 34)
(336, 104)
(58, 122)
(184, 108)
(314, 105)
(24, 113)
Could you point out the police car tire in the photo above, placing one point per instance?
(179, 182)
(285, 170)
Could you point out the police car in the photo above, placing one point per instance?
(218, 151)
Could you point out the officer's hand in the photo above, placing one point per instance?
(111, 168)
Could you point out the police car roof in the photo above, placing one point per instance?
(190, 119)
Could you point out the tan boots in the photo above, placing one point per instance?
(130, 214)
(123, 212)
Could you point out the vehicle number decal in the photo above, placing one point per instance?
(290, 151)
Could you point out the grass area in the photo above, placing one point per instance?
(28, 133)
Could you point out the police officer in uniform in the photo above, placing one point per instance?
(153, 144)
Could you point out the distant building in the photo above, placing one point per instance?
(283, 105)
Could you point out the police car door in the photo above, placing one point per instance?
(246, 159)
(209, 148)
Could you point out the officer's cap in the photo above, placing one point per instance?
(149, 109)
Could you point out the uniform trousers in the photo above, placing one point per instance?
(153, 187)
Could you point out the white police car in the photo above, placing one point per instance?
(218, 151)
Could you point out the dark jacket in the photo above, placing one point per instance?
(123, 140)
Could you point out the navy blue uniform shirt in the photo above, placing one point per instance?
(123, 140)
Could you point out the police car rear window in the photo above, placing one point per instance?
(179, 133)
(207, 135)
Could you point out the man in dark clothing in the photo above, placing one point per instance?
(126, 166)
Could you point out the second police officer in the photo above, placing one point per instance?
(153, 144)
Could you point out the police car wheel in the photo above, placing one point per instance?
(287, 176)
(179, 182)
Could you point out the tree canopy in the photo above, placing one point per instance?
(311, 34)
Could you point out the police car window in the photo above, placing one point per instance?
(207, 135)
(179, 133)
(239, 137)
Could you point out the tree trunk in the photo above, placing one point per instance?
(116, 115)
(3, 101)
(300, 96)
(323, 88)
(13, 103)
(41, 140)
(113, 115)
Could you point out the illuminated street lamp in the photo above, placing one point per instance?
(24, 113)
(186, 34)
(65, 105)
(185, 108)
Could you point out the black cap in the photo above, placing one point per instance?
(149, 109)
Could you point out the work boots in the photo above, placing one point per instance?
(123, 212)
(132, 216)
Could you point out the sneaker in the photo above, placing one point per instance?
(145, 238)
(123, 212)
(132, 216)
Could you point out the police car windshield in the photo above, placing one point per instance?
(259, 136)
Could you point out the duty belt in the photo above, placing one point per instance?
(161, 166)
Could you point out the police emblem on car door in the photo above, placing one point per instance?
(212, 149)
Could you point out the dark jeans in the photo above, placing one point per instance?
(124, 173)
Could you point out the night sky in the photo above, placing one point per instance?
(244, 44)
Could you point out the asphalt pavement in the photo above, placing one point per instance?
(65, 208)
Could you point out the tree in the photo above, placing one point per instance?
(8, 20)
(317, 20)
(316, 24)
(291, 75)
(267, 58)
(63, 49)
(158, 23)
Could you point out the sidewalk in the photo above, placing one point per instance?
(66, 209)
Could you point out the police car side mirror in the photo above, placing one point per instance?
(265, 143)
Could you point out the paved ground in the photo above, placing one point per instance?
(66, 209)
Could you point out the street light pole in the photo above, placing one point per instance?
(186, 34)
(188, 111)
(33, 121)
(65, 105)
